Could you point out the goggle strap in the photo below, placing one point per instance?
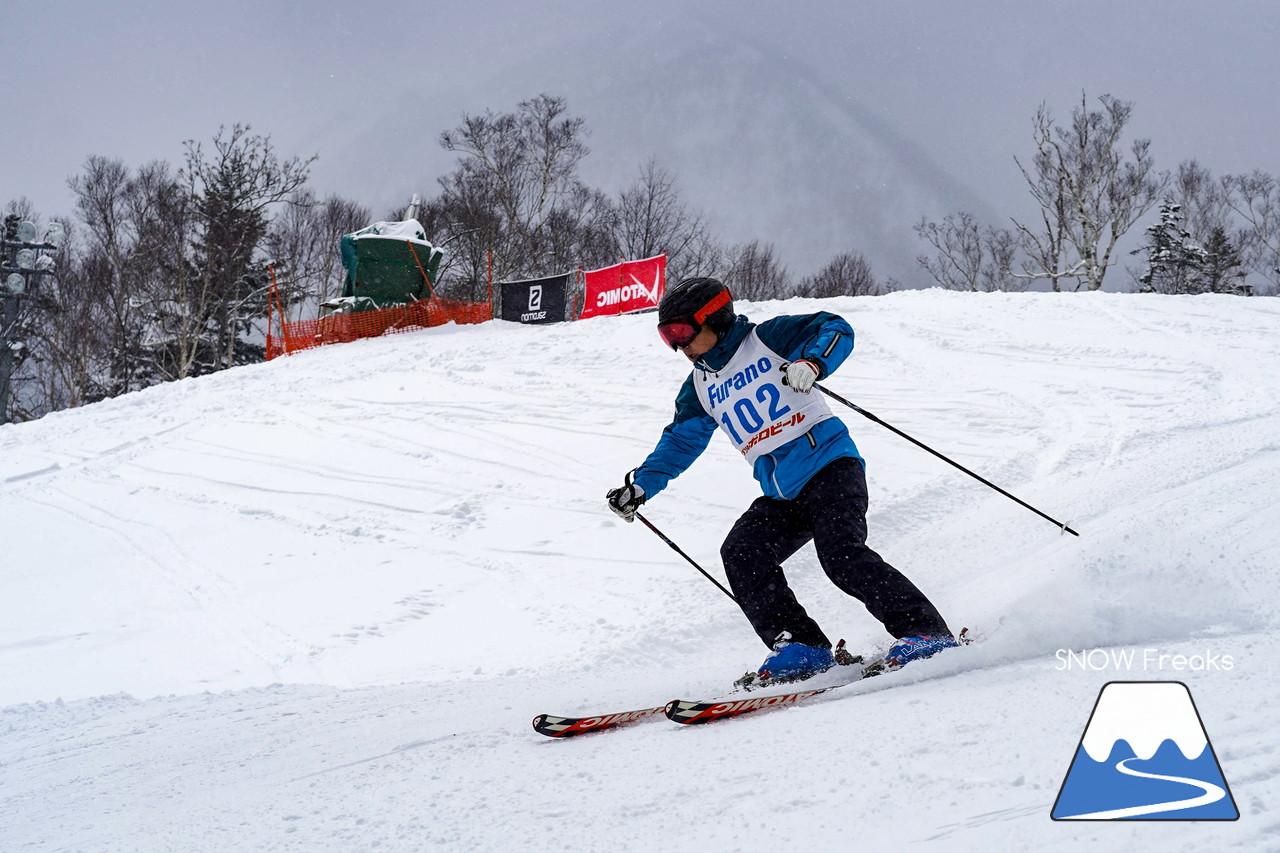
(717, 302)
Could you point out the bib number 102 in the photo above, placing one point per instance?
(748, 416)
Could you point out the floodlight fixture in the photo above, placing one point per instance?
(56, 234)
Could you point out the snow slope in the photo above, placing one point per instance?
(313, 604)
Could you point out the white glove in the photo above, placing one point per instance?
(801, 375)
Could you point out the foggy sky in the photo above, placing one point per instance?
(369, 87)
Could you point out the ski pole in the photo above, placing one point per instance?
(833, 395)
(676, 548)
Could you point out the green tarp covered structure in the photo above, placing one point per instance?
(389, 264)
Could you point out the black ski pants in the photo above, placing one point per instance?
(831, 510)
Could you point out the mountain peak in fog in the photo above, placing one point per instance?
(755, 139)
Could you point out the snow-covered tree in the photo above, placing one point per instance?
(231, 190)
(136, 229)
(1174, 262)
(1222, 271)
(172, 255)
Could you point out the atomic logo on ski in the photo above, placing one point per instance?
(552, 726)
(1145, 755)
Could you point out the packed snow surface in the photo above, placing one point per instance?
(313, 604)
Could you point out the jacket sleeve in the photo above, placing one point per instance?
(681, 443)
(823, 338)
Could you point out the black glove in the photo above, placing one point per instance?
(626, 500)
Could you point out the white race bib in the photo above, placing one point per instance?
(750, 403)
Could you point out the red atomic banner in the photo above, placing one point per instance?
(624, 287)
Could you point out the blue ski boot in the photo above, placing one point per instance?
(909, 649)
(795, 661)
(798, 661)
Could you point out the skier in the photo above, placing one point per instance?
(754, 382)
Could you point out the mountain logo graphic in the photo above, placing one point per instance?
(1145, 755)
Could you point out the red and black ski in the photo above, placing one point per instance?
(552, 726)
(677, 711)
(695, 713)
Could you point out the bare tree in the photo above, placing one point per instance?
(469, 229)
(968, 256)
(303, 241)
(168, 255)
(1256, 198)
(1046, 250)
(579, 230)
(516, 192)
(164, 280)
(756, 273)
(848, 274)
(1204, 201)
(135, 244)
(1089, 193)
(1001, 246)
(652, 220)
(957, 243)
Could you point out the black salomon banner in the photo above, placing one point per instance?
(543, 300)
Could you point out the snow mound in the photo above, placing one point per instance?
(354, 574)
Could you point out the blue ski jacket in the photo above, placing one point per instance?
(824, 339)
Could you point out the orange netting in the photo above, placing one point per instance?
(341, 328)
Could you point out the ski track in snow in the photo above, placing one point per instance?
(340, 585)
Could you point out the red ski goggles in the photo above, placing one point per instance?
(679, 332)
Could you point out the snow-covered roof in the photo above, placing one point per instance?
(409, 229)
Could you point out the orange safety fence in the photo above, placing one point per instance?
(341, 328)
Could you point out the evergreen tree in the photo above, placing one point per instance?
(1174, 262)
(230, 192)
(1223, 271)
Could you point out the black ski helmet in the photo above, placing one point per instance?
(698, 301)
